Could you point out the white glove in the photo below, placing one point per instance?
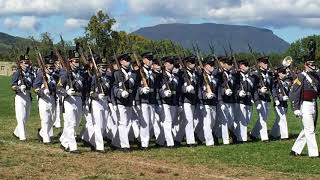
(71, 92)
(263, 90)
(46, 92)
(180, 109)
(114, 107)
(23, 88)
(101, 96)
(190, 89)
(167, 93)
(145, 90)
(259, 106)
(124, 94)
(277, 102)
(285, 98)
(297, 113)
(223, 107)
(228, 92)
(242, 93)
(209, 95)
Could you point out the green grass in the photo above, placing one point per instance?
(270, 157)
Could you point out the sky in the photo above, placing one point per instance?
(289, 19)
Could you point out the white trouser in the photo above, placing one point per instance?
(178, 124)
(134, 126)
(22, 107)
(155, 122)
(87, 131)
(198, 122)
(113, 125)
(307, 135)
(209, 118)
(148, 116)
(243, 116)
(71, 117)
(188, 123)
(160, 118)
(47, 112)
(100, 114)
(57, 120)
(280, 126)
(169, 113)
(125, 113)
(260, 127)
(226, 120)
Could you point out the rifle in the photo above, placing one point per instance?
(161, 65)
(41, 65)
(235, 63)
(119, 67)
(211, 46)
(259, 74)
(184, 67)
(98, 75)
(205, 74)
(143, 77)
(82, 53)
(18, 64)
(219, 66)
(233, 58)
(65, 65)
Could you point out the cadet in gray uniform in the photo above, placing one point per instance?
(226, 99)
(264, 82)
(208, 96)
(124, 89)
(303, 94)
(148, 94)
(21, 84)
(189, 98)
(280, 92)
(76, 84)
(244, 95)
(169, 85)
(47, 98)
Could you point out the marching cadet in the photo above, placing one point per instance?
(208, 96)
(244, 95)
(303, 94)
(148, 98)
(87, 132)
(45, 86)
(134, 123)
(76, 86)
(157, 72)
(280, 92)
(112, 122)
(226, 99)
(59, 99)
(125, 89)
(22, 81)
(100, 93)
(264, 82)
(169, 87)
(189, 98)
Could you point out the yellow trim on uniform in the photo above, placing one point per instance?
(297, 81)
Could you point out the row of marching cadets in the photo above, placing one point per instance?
(170, 99)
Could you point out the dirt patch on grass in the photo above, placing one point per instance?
(36, 161)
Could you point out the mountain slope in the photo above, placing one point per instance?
(261, 40)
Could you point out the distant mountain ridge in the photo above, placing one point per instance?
(6, 41)
(260, 39)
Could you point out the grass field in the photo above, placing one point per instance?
(31, 160)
